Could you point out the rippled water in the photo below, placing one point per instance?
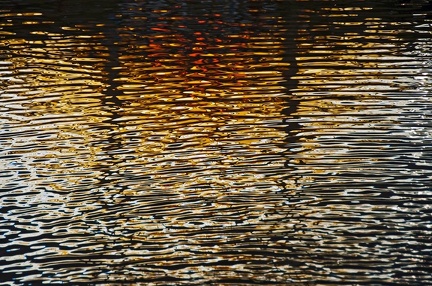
(215, 142)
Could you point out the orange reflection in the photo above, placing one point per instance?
(194, 99)
(194, 113)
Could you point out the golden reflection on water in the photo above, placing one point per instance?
(153, 142)
(194, 116)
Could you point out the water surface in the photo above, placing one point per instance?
(215, 142)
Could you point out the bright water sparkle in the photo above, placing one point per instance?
(215, 142)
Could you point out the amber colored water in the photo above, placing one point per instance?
(215, 142)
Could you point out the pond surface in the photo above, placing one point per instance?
(215, 142)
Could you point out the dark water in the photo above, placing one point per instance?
(215, 142)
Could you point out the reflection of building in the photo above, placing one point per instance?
(147, 123)
(180, 80)
(145, 144)
(143, 130)
(199, 87)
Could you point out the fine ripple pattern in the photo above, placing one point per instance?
(215, 142)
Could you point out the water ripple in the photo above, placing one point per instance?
(231, 143)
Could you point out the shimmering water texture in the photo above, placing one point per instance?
(215, 142)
